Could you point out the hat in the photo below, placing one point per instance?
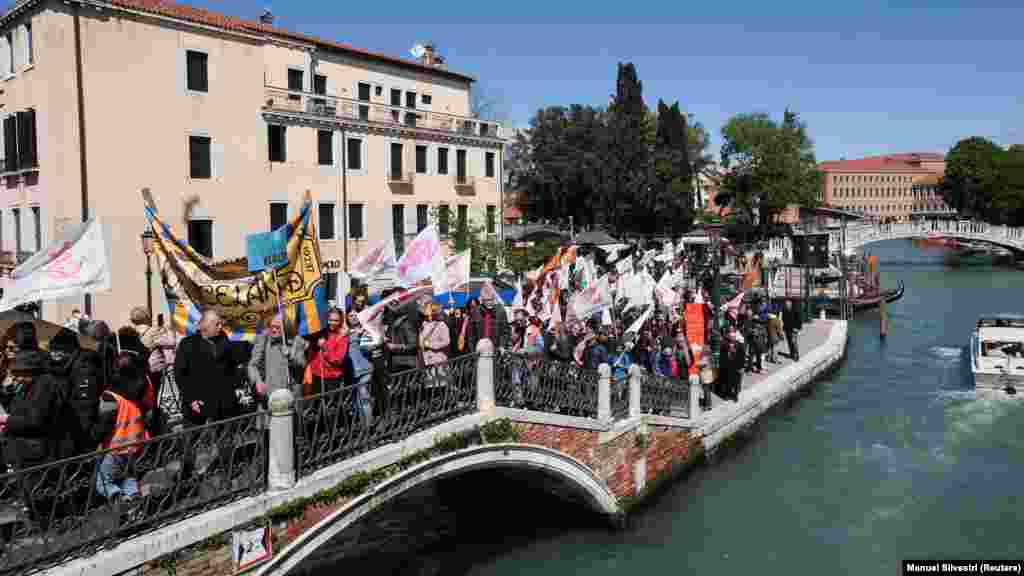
(64, 341)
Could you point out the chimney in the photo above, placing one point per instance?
(429, 55)
(267, 17)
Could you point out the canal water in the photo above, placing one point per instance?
(895, 456)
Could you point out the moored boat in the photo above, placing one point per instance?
(997, 352)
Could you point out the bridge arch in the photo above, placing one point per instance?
(863, 235)
(572, 472)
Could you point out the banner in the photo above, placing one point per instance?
(380, 258)
(245, 301)
(77, 263)
(695, 324)
(593, 300)
(372, 318)
(417, 263)
(636, 326)
(266, 250)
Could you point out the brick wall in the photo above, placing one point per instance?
(216, 561)
(666, 447)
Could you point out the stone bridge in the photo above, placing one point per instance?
(584, 437)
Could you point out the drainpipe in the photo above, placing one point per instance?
(82, 163)
(343, 170)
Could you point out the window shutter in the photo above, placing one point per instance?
(217, 159)
(20, 55)
(410, 221)
(182, 71)
(30, 139)
(11, 143)
(5, 57)
(22, 140)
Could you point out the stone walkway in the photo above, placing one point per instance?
(813, 335)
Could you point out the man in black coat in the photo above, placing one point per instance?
(205, 368)
(81, 370)
(732, 360)
(791, 325)
(492, 322)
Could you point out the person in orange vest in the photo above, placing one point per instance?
(115, 478)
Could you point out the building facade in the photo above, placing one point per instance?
(891, 187)
(229, 122)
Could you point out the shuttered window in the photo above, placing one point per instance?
(276, 143)
(11, 143)
(355, 221)
(27, 139)
(325, 147)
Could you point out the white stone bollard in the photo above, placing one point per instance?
(281, 451)
(485, 376)
(636, 375)
(604, 393)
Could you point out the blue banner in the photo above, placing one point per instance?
(267, 249)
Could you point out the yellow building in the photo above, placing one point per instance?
(234, 119)
(892, 187)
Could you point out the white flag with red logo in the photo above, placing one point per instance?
(418, 261)
(458, 270)
(77, 263)
(593, 300)
(380, 258)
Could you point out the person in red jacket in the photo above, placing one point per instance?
(326, 364)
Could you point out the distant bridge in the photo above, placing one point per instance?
(860, 235)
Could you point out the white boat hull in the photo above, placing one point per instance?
(1008, 374)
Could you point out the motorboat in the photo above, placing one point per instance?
(997, 352)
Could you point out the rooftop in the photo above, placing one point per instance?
(909, 162)
(188, 13)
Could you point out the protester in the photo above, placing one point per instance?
(274, 362)
(360, 346)
(733, 356)
(434, 339)
(493, 321)
(123, 428)
(326, 365)
(401, 339)
(791, 325)
(78, 370)
(205, 370)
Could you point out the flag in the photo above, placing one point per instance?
(246, 301)
(517, 302)
(563, 277)
(733, 306)
(636, 326)
(344, 287)
(380, 258)
(458, 269)
(417, 263)
(625, 265)
(75, 264)
(372, 317)
(593, 300)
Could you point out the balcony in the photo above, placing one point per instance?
(335, 108)
(401, 182)
(464, 185)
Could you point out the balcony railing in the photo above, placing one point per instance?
(464, 185)
(285, 100)
(403, 178)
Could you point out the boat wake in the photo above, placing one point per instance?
(949, 353)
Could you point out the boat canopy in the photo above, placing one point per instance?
(1001, 321)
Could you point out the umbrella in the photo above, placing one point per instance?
(595, 238)
(506, 292)
(44, 331)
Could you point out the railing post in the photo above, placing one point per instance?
(485, 376)
(281, 451)
(604, 392)
(636, 375)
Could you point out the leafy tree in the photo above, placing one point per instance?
(971, 179)
(624, 167)
(666, 206)
(770, 166)
(487, 251)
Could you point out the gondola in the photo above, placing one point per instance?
(874, 300)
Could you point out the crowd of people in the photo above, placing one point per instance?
(71, 399)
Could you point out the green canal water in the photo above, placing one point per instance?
(894, 456)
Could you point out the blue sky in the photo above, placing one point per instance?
(868, 77)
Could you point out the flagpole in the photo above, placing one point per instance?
(280, 306)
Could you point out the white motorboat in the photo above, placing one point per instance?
(997, 352)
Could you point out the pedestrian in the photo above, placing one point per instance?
(791, 326)
(493, 320)
(732, 365)
(80, 370)
(123, 427)
(360, 346)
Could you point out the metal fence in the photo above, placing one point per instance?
(334, 426)
(55, 512)
(620, 398)
(664, 396)
(545, 385)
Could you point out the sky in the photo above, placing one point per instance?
(868, 77)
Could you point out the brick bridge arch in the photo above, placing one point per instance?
(573, 473)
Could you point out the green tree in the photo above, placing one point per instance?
(971, 180)
(769, 166)
(487, 251)
(625, 157)
(666, 206)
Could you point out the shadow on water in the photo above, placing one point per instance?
(449, 526)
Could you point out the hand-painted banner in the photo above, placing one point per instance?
(245, 301)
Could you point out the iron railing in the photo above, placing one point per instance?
(545, 386)
(620, 398)
(331, 427)
(664, 396)
(58, 511)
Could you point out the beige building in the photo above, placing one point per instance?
(233, 118)
(896, 186)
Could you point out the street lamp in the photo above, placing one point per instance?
(147, 238)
